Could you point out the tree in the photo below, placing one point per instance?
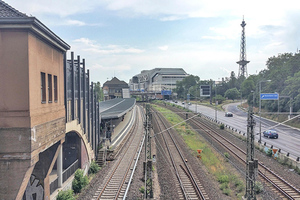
(232, 94)
(248, 88)
(186, 86)
(232, 82)
(219, 98)
(98, 91)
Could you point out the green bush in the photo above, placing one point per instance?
(222, 126)
(80, 181)
(224, 186)
(270, 152)
(65, 195)
(227, 191)
(239, 185)
(258, 188)
(223, 179)
(226, 154)
(94, 168)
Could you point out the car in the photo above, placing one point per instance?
(176, 102)
(270, 134)
(190, 103)
(228, 114)
(182, 102)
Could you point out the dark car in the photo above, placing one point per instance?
(228, 114)
(270, 134)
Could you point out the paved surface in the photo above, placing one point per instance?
(289, 138)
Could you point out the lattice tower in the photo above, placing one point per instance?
(243, 58)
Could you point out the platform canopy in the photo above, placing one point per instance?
(116, 108)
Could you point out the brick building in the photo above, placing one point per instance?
(114, 89)
(32, 111)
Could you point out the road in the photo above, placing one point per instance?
(289, 138)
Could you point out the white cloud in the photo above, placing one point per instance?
(75, 22)
(271, 29)
(214, 37)
(117, 68)
(91, 46)
(163, 48)
(71, 22)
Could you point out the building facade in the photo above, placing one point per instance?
(156, 80)
(114, 89)
(32, 111)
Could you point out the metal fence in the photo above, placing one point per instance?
(66, 174)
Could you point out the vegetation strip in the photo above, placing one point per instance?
(213, 162)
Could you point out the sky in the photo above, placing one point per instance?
(120, 38)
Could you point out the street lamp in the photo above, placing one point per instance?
(260, 108)
(216, 102)
(241, 98)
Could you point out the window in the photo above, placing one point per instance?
(43, 87)
(55, 88)
(49, 88)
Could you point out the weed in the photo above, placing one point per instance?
(227, 191)
(224, 186)
(269, 152)
(227, 155)
(222, 126)
(223, 179)
(142, 189)
(94, 168)
(258, 188)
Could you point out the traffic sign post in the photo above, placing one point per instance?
(269, 96)
(205, 90)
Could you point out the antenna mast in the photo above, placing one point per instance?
(243, 60)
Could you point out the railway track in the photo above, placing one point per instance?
(282, 187)
(188, 185)
(116, 182)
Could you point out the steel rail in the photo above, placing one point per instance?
(210, 130)
(185, 169)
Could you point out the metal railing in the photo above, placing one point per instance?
(67, 173)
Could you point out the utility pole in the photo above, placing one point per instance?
(148, 158)
(252, 163)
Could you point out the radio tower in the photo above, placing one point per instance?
(243, 60)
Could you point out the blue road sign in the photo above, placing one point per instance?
(166, 92)
(269, 96)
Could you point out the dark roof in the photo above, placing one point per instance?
(10, 18)
(115, 108)
(115, 81)
(6, 11)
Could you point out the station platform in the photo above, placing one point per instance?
(122, 129)
(112, 109)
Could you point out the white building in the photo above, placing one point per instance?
(157, 79)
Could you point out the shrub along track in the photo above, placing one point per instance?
(188, 185)
(281, 186)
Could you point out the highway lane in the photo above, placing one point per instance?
(289, 138)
